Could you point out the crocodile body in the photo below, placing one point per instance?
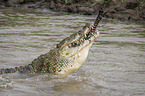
(68, 55)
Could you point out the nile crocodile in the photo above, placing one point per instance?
(66, 57)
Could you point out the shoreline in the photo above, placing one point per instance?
(131, 10)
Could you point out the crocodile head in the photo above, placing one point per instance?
(77, 43)
(72, 51)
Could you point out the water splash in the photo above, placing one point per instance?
(5, 82)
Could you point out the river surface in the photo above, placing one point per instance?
(115, 65)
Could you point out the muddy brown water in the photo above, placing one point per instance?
(115, 65)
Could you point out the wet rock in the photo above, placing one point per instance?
(142, 15)
(71, 9)
(132, 4)
(52, 5)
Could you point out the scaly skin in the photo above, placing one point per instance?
(68, 55)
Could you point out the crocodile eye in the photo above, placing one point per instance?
(74, 44)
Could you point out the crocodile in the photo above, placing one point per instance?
(66, 57)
